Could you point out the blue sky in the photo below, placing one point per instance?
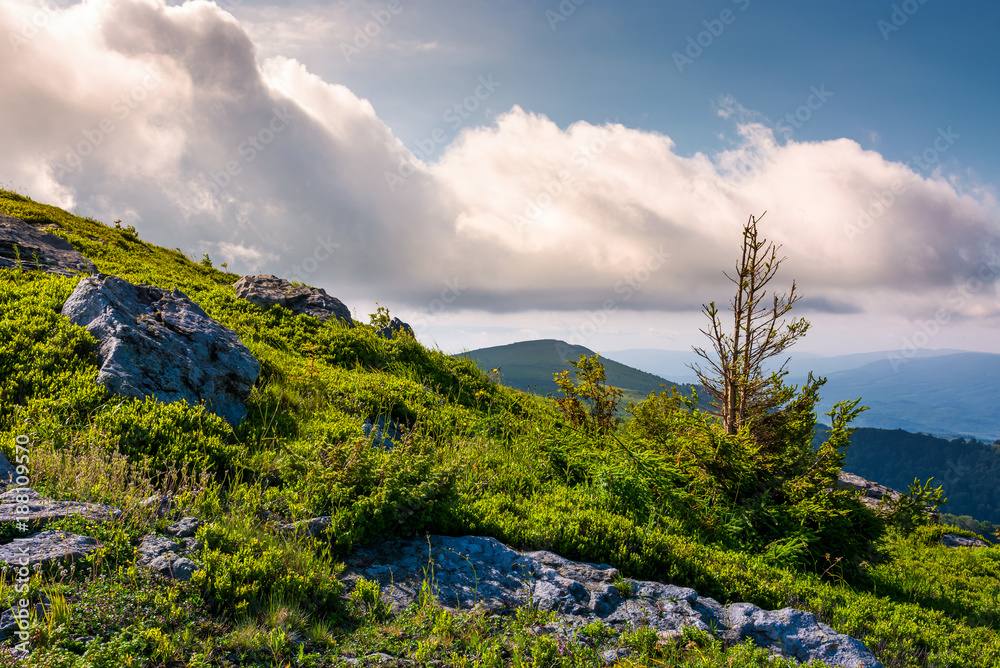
(493, 173)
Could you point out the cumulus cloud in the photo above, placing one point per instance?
(166, 117)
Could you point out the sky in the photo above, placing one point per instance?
(511, 170)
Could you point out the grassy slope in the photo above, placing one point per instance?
(478, 458)
(529, 366)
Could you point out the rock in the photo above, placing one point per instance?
(395, 327)
(45, 548)
(266, 290)
(612, 656)
(8, 472)
(798, 635)
(152, 342)
(485, 574)
(24, 503)
(872, 493)
(54, 254)
(164, 556)
(185, 527)
(162, 503)
(953, 541)
(315, 526)
(382, 434)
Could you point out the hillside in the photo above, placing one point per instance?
(174, 534)
(529, 365)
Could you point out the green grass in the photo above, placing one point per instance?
(655, 499)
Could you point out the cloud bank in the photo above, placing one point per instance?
(164, 116)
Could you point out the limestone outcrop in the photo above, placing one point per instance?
(266, 290)
(39, 250)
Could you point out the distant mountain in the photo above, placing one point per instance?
(969, 471)
(529, 366)
(944, 392)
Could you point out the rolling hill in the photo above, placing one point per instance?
(529, 365)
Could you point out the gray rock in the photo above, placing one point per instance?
(54, 254)
(25, 504)
(612, 656)
(8, 472)
(872, 493)
(953, 541)
(152, 342)
(315, 526)
(483, 573)
(266, 290)
(45, 548)
(185, 527)
(395, 328)
(170, 566)
(798, 635)
(154, 547)
(161, 503)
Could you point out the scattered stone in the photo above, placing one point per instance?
(45, 548)
(162, 503)
(798, 635)
(383, 434)
(185, 527)
(266, 290)
(41, 511)
(379, 657)
(872, 493)
(612, 656)
(315, 526)
(474, 572)
(396, 327)
(953, 541)
(164, 556)
(152, 342)
(39, 250)
(8, 472)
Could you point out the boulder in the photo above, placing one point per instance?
(164, 556)
(482, 573)
(185, 527)
(872, 493)
(8, 472)
(156, 343)
(266, 290)
(45, 548)
(953, 541)
(23, 504)
(395, 328)
(39, 250)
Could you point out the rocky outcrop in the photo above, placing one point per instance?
(953, 541)
(872, 493)
(266, 290)
(485, 574)
(395, 328)
(156, 343)
(23, 504)
(167, 557)
(39, 250)
(46, 548)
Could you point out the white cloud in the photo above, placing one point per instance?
(204, 146)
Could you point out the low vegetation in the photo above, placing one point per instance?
(667, 493)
